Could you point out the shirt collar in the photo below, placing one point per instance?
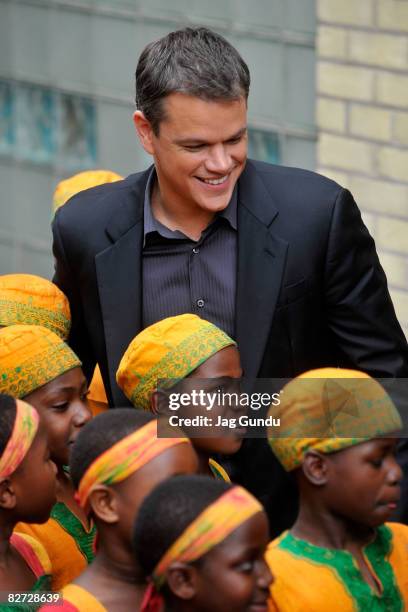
(151, 224)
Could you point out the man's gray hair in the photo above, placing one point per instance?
(193, 61)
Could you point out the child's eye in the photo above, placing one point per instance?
(246, 567)
(377, 463)
(84, 396)
(61, 407)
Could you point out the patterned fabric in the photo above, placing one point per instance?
(76, 599)
(330, 575)
(81, 181)
(24, 429)
(30, 357)
(97, 391)
(169, 349)
(322, 409)
(210, 528)
(124, 458)
(218, 471)
(69, 545)
(37, 560)
(32, 300)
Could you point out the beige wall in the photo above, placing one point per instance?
(362, 119)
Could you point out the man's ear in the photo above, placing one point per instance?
(104, 504)
(315, 467)
(182, 580)
(144, 131)
(8, 499)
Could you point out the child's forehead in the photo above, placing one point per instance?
(251, 536)
(380, 443)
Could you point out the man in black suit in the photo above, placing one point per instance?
(278, 257)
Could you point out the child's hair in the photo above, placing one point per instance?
(8, 413)
(100, 434)
(168, 511)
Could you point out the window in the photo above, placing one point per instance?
(45, 126)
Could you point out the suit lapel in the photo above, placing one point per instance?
(119, 277)
(261, 264)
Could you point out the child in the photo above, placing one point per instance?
(27, 493)
(31, 300)
(36, 365)
(202, 543)
(176, 348)
(115, 463)
(339, 555)
(81, 181)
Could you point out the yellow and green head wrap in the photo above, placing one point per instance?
(81, 181)
(32, 300)
(169, 349)
(327, 410)
(30, 357)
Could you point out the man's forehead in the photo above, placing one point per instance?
(190, 113)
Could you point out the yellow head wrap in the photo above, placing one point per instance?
(24, 429)
(32, 300)
(81, 181)
(169, 349)
(30, 357)
(327, 410)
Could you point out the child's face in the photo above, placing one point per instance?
(35, 481)
(179, 459)
(234, 575)
(225, 364)
(63, 409)
(363, 481)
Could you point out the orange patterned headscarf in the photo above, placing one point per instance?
(30, 357)
(169, 349)
(24, 429)
(81, 181)
(33, 300)
(124, 458)
(210, 528)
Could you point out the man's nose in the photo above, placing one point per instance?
(219, 160)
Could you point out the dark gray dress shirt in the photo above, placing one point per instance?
(181, 275)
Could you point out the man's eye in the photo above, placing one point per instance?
(377, 463)
(193, 147)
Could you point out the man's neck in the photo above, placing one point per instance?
(178, 217)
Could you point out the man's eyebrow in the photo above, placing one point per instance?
(197, 141)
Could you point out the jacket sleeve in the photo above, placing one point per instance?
(360, 312)
(65, 279)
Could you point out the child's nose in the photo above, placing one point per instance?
(265, 575)
(394, 472)
(82, 414)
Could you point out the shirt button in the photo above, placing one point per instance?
(200, 303)
(196, 251)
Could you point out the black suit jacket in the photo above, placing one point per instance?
(310, 289)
